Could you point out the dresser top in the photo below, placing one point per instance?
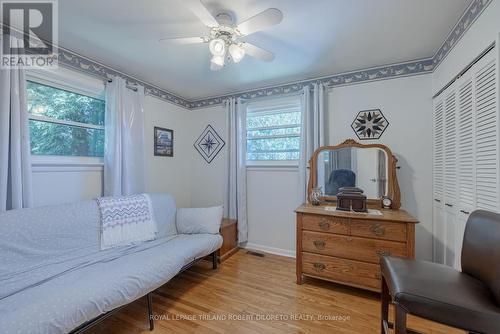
(387, 215)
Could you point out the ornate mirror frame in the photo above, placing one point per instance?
(393, 191)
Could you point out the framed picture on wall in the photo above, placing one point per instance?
(163, 142)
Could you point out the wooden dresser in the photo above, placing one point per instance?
(345, 247)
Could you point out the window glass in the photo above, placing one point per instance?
(64, 122)
(273, 134)
(56, 139)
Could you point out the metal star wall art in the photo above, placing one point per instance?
(209, 144)
(369, 124)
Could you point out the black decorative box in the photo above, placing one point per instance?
(350, 198)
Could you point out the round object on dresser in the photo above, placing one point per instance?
(386, 202)
(316, 194)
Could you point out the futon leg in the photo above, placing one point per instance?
(215, 260)
(384, 311)
(399, 320)
(150, 311)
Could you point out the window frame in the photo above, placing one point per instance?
(269, 106)
(73, 82)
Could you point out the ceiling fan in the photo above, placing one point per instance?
(224, 40)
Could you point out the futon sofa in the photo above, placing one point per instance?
(54, 277)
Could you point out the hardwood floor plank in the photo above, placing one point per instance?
(250, 294)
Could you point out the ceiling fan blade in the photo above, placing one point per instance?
(257, 52)
(184, 40)
(199, 9)
(267, 18)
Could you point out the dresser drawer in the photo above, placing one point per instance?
(342, 270)
(347, 247)
(378, 230)
(325, 224)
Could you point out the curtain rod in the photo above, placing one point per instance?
(128, 86)
(468, 67)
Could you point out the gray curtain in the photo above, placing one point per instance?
(124, 159)
(15, 155)
(312, 132)
(235, 201)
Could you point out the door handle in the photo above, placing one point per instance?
(320, 244)
(383, 253)
(324, 225)
(319, 266)
(377, 230)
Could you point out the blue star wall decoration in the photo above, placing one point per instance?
(209, 144)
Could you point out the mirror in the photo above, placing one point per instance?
(371, 167)
(365, 168)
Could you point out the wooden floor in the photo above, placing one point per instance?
(250, 294)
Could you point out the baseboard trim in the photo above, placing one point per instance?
(270, 250)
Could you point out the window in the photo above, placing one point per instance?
(273, 131)
(64, 123)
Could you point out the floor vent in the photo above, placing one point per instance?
(255, 253)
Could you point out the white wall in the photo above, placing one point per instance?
(406, 103)
(169, 174)
(271, 192)
(207, 180)
(64, 184)
(271, 201)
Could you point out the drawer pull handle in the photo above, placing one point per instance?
(319, 266)
(377, 230)
(324, 225)
(448, 205)
(383, 253)
(320, 244)
(465, 212)
(437, 200)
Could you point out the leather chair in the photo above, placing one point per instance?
(469, 300)
(340, 178)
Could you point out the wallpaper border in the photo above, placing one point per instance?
(470, 15)
(73, 60)
(348, 78)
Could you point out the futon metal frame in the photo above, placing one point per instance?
(91, 323)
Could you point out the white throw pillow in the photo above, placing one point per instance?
(199, 220)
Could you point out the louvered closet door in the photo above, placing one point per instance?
(450, 173)
(486, 128)
(438, 182)
(450, 149)
(466, 156)
(438, 152)
(469, 176)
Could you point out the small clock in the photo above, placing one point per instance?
(386, 202)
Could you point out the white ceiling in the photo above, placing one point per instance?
(315, 38)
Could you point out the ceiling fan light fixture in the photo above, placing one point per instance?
(237, 52)
(217, 47)
(217, 63)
